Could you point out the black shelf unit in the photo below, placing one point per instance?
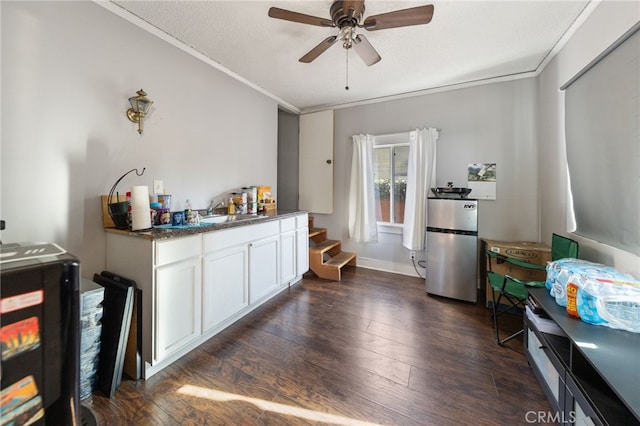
(597, 368)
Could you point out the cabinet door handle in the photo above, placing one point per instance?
(542, 347)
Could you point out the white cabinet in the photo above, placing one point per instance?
(294, 248)
(241, 266)
(178, 288)
(177, 306)
(263, 267)
(288, 267)
(225, 284)
(302, 244)
(196, 285)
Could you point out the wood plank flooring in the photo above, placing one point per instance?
(371, 349)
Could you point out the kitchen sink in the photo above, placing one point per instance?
(169, 226)
(216, 218)
(223, 218)
(213, 220)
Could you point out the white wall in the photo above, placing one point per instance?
(518, 125)
(607, 23)
(68, 69)
(493, 123)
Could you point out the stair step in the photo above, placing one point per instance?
(313, 232)
(324, 246)
(326, 257)
(332, 268)
(341, 259)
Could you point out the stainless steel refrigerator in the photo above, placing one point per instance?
(452, 248)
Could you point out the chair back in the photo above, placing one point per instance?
(492, 255)
(563, 247)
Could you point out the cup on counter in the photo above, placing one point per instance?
(155, 217)
(165, 200)
(164, 217)
(178, 219)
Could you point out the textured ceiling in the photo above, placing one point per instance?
(466, 41)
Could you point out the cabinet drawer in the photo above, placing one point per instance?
(217, 240)
(302, 221)
(178, 249)
(288, 224)
(548, 371)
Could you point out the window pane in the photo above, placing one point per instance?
(382, 179)
(400, 164)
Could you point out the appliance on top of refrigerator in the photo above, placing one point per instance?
(39, 319)
(452, 247)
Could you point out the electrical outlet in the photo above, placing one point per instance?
(412, 255)
(158, 188)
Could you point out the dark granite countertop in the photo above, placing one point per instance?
(165, 234)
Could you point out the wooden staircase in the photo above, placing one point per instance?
(326, 258)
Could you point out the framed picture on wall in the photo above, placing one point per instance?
(481, 178)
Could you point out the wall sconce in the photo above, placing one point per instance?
(139, 108)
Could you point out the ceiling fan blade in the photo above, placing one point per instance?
(355, 5)
(319, 49)
(365, 50)
(301, 18)
(400, 18)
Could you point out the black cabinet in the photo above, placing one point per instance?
(548, 357)
(590, 374)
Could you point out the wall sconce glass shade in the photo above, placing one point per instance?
(140, 106)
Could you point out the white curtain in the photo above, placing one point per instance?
(362, 212)
(421, 175)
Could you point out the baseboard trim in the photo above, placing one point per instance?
(385, 266)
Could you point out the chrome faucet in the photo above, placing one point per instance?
(212, 207)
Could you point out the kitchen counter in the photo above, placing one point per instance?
(196, 281)
(158, 234)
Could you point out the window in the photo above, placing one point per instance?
(390, 180)
(602, 122)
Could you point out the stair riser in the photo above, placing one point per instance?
(319, 238)
(334, 251)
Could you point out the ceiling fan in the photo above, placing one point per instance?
(347, 16)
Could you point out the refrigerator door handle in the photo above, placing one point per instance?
(451, 231)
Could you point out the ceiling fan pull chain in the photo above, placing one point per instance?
(346, 87)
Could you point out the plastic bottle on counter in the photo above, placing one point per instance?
(188, 213)
(231, 207)
(244, 202)
(252, 199)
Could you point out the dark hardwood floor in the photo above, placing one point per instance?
(371, 349)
